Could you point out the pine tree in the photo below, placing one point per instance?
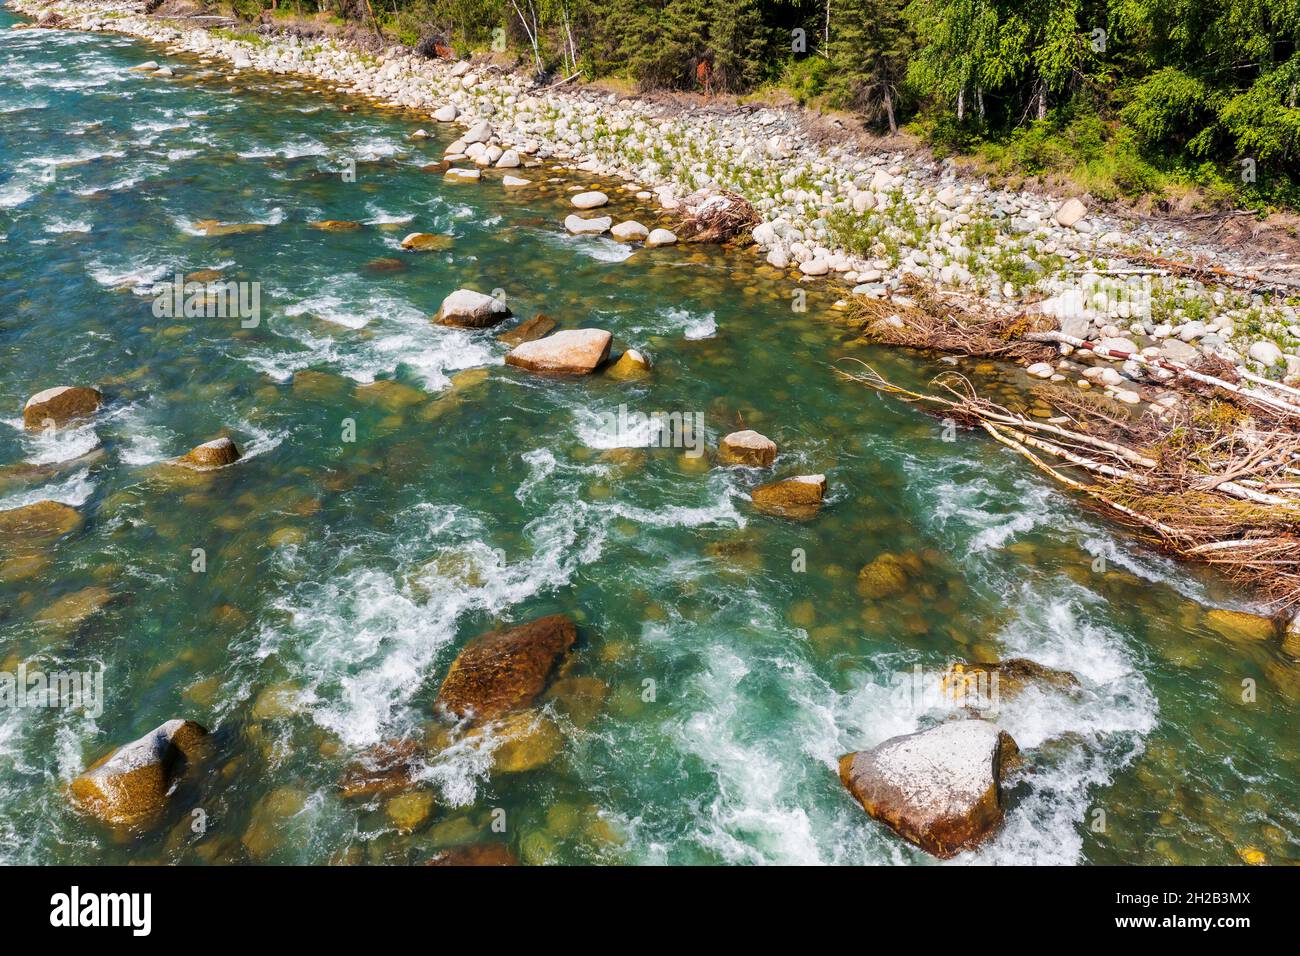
(738, 42)
(870, 48)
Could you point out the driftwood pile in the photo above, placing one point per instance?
(1211, 474)
(719, 218)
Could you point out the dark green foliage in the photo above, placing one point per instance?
(1134, 90)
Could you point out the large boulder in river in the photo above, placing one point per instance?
(571, 352)
(940, 788)
(132, 783)
(747, 448)
(467, 309)
(60, 405)
(503, 671)
(211, 454)
(799, 498)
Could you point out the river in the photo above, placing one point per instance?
(726, 656)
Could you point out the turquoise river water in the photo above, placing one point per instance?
(717, 681)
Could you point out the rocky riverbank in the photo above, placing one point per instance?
(870, 221)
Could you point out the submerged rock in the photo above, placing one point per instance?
(409, 810)
(382, 769)
(215, 227)
(799, 498)
(747, 448)
(1240, 625)
(571, 352)
(212, 454)
(528, 740)
(514, 182)
(503, 671)
(426, 242)
(939, 788)
(132, 783)
(60, 405)
(335, 225)
(73, 609)
(528, 330)
(884, 577)
(42, 519)
(477, 854)
(468, 309)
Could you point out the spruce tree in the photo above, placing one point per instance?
(869, 51)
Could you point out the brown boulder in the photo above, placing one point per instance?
(534, 328)
(1014, 675)
(215, 227)
(213, 454)
(335, 225)
(132, 783)
(478, 854)
(747, 448)
(426, 242)
(382, 769)
(571, 352)
(43, 519)
(939, 788)
(799, 498)
(61, 404)
(505, 670)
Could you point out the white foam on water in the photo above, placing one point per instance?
(294, 149)
(379, 216)
(377, 147)
(399, 335)
(15, 192)
(691, 325)
(602, 249)
(367, 641)
(73, 491)
(258, 440)
(140, 275)
(66, 225)
(61, 444)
